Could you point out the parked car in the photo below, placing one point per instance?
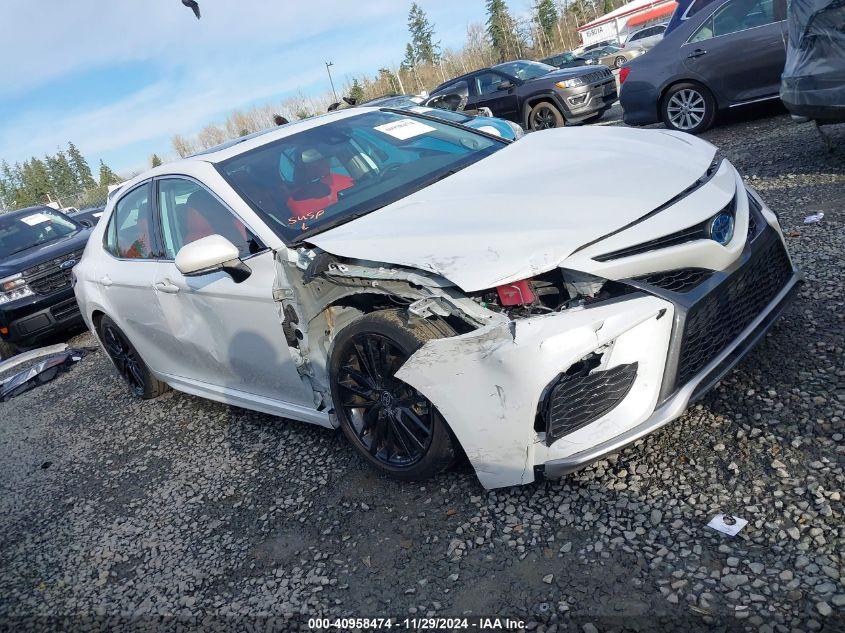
(451, 110)
(534, 95)
(87, 217)
(646, 38)
(813, 80)
(612, 56)
(428, 288)
(38, 248)
(595, 45)
(729, 54)
(567, 59)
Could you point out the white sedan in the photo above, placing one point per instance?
(426, 287)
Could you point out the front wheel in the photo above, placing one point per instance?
(688, 107)
(391, 425)
(128, 362)
(545, 116)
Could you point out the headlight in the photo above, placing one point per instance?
(570, 83)
(518, 132)
(14, 288)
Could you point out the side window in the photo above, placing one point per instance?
(190, 212)
(129, 234)
(736, 16)
(487, 83)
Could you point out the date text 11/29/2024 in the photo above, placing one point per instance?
(477, 623)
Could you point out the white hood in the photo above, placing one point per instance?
(526, 208)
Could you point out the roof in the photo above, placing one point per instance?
(25, 210)
(652, 14)
(632, 7)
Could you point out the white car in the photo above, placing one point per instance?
(425, 287)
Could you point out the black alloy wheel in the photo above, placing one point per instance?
(128, 362)
(392, 420)
(391, 425)
(545, 116)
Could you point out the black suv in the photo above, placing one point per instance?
(536, 95)
(38, 248)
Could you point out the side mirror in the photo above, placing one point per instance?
(210, 254)
(505, 85)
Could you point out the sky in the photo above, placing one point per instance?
(120, 77)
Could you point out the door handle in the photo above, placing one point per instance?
(166, 286)
(105, 281)
(698, 52)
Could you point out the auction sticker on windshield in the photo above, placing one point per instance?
(35, 218)
(404, 129)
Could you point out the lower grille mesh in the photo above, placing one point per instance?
(578, 400)
(681, 280)
(719, 318)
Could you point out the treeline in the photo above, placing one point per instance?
(64, 177)
(551, 27)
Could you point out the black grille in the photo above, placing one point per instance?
(65, 310)
(51, 282)
(598, 75)
(681, 280)
(577, 400)
(753, 213)
(48, 276)
(719, 317)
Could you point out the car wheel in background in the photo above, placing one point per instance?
(688, 107)
(7, 350)
(545, 116)
(128, 362)
(392, 425)
(619, 61)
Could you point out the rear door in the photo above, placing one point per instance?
(739, 50)
(486, 90)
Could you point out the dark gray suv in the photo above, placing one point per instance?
(729, 54)
(536, 95)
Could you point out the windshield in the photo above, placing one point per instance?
(19, 232)
(525, 70)
(305, 183)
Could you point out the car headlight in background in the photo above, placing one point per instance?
(14, 288)
(570, 83)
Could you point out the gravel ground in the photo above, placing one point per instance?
(118, 513)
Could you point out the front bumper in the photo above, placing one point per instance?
(489, 384)
(585, 101)
(32, 319)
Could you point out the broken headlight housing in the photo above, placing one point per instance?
(553, 291)
(14, 288)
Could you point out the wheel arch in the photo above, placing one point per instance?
(536, 98)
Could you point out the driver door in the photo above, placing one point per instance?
(220, 332)
(486, 91)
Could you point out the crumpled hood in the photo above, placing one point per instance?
(526, 208)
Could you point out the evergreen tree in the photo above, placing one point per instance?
(547, 18)
(410, 57)
(155, 161)
(36, 183)
(84, 178)
(356, 92)
(8, 187)
(501, 28)
(107, 176)
(62, 176)
(422, 36)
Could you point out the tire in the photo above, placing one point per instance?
(619, 62)
(688, 107)
(128, 362)
(389, 423)
(597, 116)
(7, 350)
(545, 116)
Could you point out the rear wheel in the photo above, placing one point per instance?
(688, 107)
(128, 362)
(391, 424)
(545, 116)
